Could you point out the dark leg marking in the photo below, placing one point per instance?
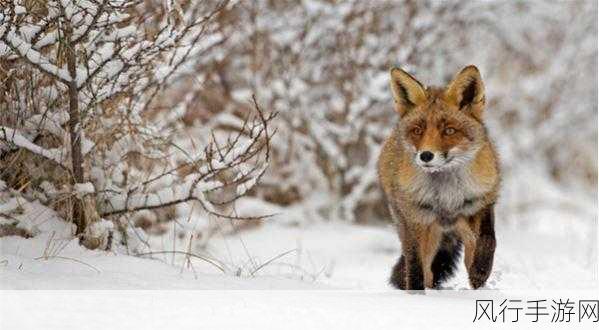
(415, 276)
(484, 252)
(398, 274)
(445, 260)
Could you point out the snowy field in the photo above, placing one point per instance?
(552, 247)
(336, 255)
(279, 256)
(348, 264)
(259, 310)
(333, 255)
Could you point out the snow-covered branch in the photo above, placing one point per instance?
(248, 157)
(27, 52)
(16, 138)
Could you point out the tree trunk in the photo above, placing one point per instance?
(75, 130)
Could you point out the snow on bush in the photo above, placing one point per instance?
(82, 127)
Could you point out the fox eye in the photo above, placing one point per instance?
(449, 131)
(417, 131)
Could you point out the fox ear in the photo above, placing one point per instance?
(467, 89)
(407, 91)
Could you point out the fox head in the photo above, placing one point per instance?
(441, 128)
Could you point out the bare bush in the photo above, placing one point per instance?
(81, 123)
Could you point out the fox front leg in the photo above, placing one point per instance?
(398, 274)
(407, 273)
(413, 267)
(484, 248)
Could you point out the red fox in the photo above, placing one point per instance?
(440, 175)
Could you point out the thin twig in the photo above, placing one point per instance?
(208, 260)
(271, 260)
(71, 259)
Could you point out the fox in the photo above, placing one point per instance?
(439, 172)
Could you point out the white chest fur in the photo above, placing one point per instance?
(450, 193)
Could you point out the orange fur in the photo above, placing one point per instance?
(425, 205)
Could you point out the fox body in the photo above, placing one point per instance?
(439, 172)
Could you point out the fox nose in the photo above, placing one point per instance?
(426, 156)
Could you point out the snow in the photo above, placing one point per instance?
(19, 10)
(10, 205)
(84, 188)
(190, 188)
(250, 310)
(334, 255)
(14, 136)
(27, 51)
(54, 259)
(549, 253)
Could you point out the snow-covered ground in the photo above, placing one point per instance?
(334, 255)
(540, 254)
(258, 310)
(287, 255)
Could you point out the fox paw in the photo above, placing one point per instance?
(477, 279)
